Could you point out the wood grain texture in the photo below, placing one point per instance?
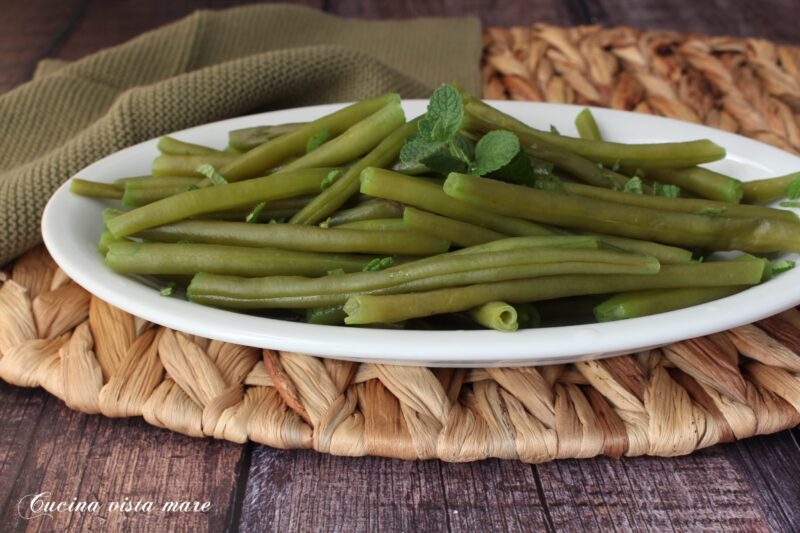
(29, 31)
(296, 490)
(769, 19)
(491, 12)
(93, 458)
(724, 488)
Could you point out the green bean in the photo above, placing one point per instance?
(142, 191)
(681, 205)
(378, 224)
(376, 208)
(246, 139)
(768, 190)
(701, 181)
(95, 189)
(109, 213)
(186, 165)
(209, 200)
(434, 272)
(297, 237)
(650, 302)
(366, 308)
(332, 315)
(261, 159)
(455, 231)
(188, 259)
(171, 146)
(430, 197)
(356, 141)
(711, 232)
(666, 255)
(106, 239)
(496, 315)
(655, 155)
(587, 126)
(275, 210)
(346, 186)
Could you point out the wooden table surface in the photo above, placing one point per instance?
(44, 447)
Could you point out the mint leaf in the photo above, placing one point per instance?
(712, 212)
(790, 204)
(781, 265)
(168, 289)
(462, 148)
(444, 116)
(211, 173)
(318, 139)
(670, 191)
(252, 217)
(330, 178)
(379, 263)
(793, 190)
(518, 171)
(495, 150)
(416, 149)
(433, 154)
(633, 185)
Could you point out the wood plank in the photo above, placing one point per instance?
(108, 23)
(93, 458)
(301, 490)
(20, 410)
(770, 19)
(722, 488)
(28, 32)
(493, 495)
(491, 12)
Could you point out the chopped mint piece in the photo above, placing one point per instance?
(633, 185)
(253, 215)
(379, 263)
(318, 139)
(211, 173)
(168, 289)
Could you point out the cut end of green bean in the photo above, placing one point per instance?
(499, 316)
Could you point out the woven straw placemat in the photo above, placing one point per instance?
(668, 401)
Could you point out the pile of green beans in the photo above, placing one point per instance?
(322, 221)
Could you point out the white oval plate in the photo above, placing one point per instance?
(72, 227)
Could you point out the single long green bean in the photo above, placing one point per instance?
(342, 189)
(455, 231)
(448, 270)
(209, 200)
(186, 165)
(654, 155)
(188, 259)
(95, 189)
(376, 208)
(147, 195)
(650, 302)
(297, 237)
(768, 190)
(157, 182)
(356, 141)
(365, 309)
(701, 181)
(587, 126)
(496, 315)
(711, 232)
(246, 139)
(261, 159)
(666, 255)
(378, 224)
(429, 196)
(681, 205)
(172, 146)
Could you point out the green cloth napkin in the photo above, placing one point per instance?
(206, 67)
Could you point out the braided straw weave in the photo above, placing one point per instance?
(667, 402)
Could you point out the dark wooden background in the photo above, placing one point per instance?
(749, 486)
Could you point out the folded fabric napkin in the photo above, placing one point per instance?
(206, 67)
